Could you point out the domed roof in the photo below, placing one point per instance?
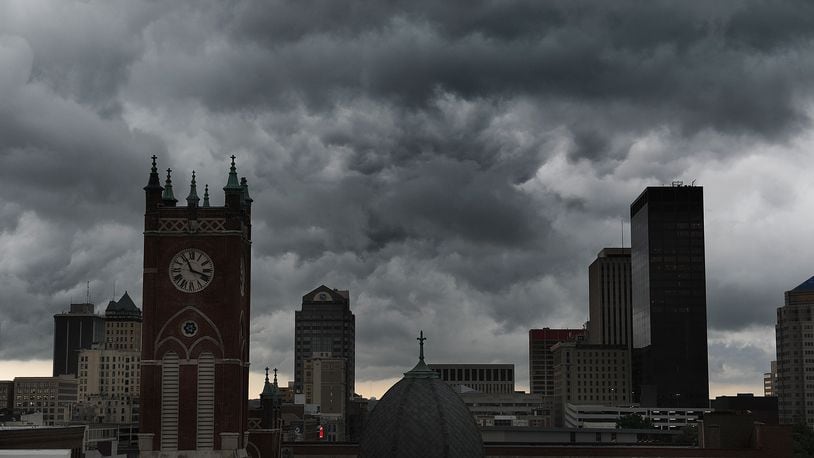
(421, 416)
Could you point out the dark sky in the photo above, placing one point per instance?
(456, 165)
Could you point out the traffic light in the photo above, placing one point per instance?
(321, 432)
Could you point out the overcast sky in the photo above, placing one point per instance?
(456, 165)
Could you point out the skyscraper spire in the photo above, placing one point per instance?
(206, 196)
(168, 198)
(192, 198)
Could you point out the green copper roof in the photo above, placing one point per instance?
(421, 370)
(167, 195)
(232, 182)
(192, 198)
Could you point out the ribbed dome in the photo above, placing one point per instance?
(421, 416)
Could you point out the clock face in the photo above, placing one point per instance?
(191, 270)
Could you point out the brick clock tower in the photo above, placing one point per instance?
(195, 340)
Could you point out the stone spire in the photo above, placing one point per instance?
(206, 196)
(192, 198)
(153, 182)
(168, 198)
(244, 187)
(232, 182)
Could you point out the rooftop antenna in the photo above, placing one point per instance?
(693, 183)
(622, 230)
(87, 292)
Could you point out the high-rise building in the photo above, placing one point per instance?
(770, 381)
(669, 297)
(110, 372)
(609, 298)
(76, 330)
(484, 378)
(541, 360)
(795, 356)
(195, 333)
(325, 325)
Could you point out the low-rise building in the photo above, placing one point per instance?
(55, 397)
(486, 378)
(601, 416)
(509, 409)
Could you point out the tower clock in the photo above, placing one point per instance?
(195, 341)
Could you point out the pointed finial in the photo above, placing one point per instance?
(232, 183)
(421, 340)
(168, 196)
(275, 376)
(192, 198)
(267, 374)
(206, 195)
(244, 186)
(154, 183)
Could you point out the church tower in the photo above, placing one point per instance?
(195, 340)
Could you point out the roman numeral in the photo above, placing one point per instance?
(205, 263)
(176, 269)
(205, 277)
(206, 271)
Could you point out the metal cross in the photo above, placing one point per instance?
(421, 340)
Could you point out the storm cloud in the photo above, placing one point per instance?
(455, 165)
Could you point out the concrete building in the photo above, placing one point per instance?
(795, 355)
(770, 381)
(590, 374)
(76, 330)
(485, 378)
(509, 409)
(601, 416)
(55, 397)
(609, 298)
(325, 325)
(669, 296)
(541, 361)
(324, 383)
(110, 372)
(6, 394)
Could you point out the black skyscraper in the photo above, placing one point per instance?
(74, 331)
(325, 325)
(669, 297)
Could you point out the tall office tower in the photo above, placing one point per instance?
(325, 325)
(324, 385)
(195, 333)
(609, 298)
(669, 297)
(541, 360)
(770, 380)
(110, 373)
(484, 378)
(795, 356)
(76, 330)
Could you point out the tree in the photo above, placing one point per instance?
(803, 440)
(633, 421)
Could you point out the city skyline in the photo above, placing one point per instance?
(454, 167)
